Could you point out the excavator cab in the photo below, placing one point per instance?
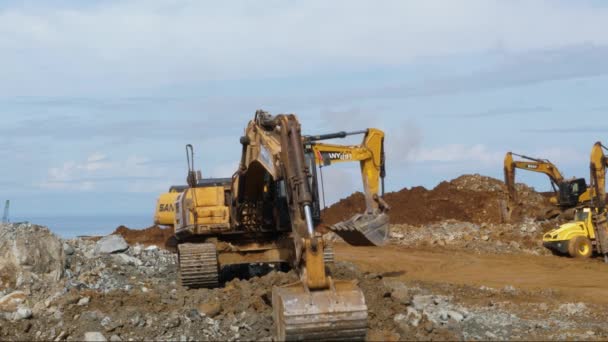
(571, 191)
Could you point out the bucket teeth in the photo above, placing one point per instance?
(198, 265)
(320, 315)
(364, 229)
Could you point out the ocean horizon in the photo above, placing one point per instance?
(68, 227)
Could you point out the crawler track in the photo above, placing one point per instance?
(198, 265)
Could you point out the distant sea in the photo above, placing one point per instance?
(73, 226)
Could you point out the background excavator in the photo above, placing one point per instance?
(268, 213)
(569, 193)
(589, 228)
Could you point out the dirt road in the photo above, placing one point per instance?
(580, 280)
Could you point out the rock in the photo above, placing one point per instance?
(91, 316)
(106, 322)
(491, 336)
(137, 249)
(152, 248)
(68, 250)
(61, 336)
(398, 236)
(30, 254)
(11, 302)
(84, 301)
(22, 313)
(402, 295)
(111, 244)
(94, 337)
(510, 289)
(109, 325)
(414, 317)
(127, 260)
(456, 316)
(115, 338)
(210, 309)
(485, 238)
(571, 309)
(421, 302)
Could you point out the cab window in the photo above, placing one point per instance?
(581, 216)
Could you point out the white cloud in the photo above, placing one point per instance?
(145, 43)
(97, 171)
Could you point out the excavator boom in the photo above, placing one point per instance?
(317, 307)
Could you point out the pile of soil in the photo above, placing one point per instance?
(469, 198)
(151, 236)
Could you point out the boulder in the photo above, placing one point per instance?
(210, 309)
(11, 302)
(124, 259)
(94, 337)
(111, 244)
(22, 313)
(69, 250)
(29, 254)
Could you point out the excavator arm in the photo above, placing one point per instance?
(369, 228)
(317, 307)
(370, 154)
(598, 165)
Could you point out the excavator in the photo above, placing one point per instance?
(370, 154)
(569, 193)
(589, 228)
(269, 213)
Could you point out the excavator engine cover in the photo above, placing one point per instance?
(335, 314)
(364, 229)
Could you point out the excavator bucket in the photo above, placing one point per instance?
(336, 314)
(364, 229)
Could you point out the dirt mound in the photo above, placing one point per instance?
(151, 236)
(469, 198)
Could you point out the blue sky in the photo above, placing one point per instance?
(98, 100)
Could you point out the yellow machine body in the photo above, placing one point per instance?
(580, 231)
(164, 214)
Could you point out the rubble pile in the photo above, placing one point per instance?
(488, 238)
(469, 198)
(123, 287)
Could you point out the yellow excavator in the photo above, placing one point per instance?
(569, 193)
(269, 213)
(589, 228)
(370, 154)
